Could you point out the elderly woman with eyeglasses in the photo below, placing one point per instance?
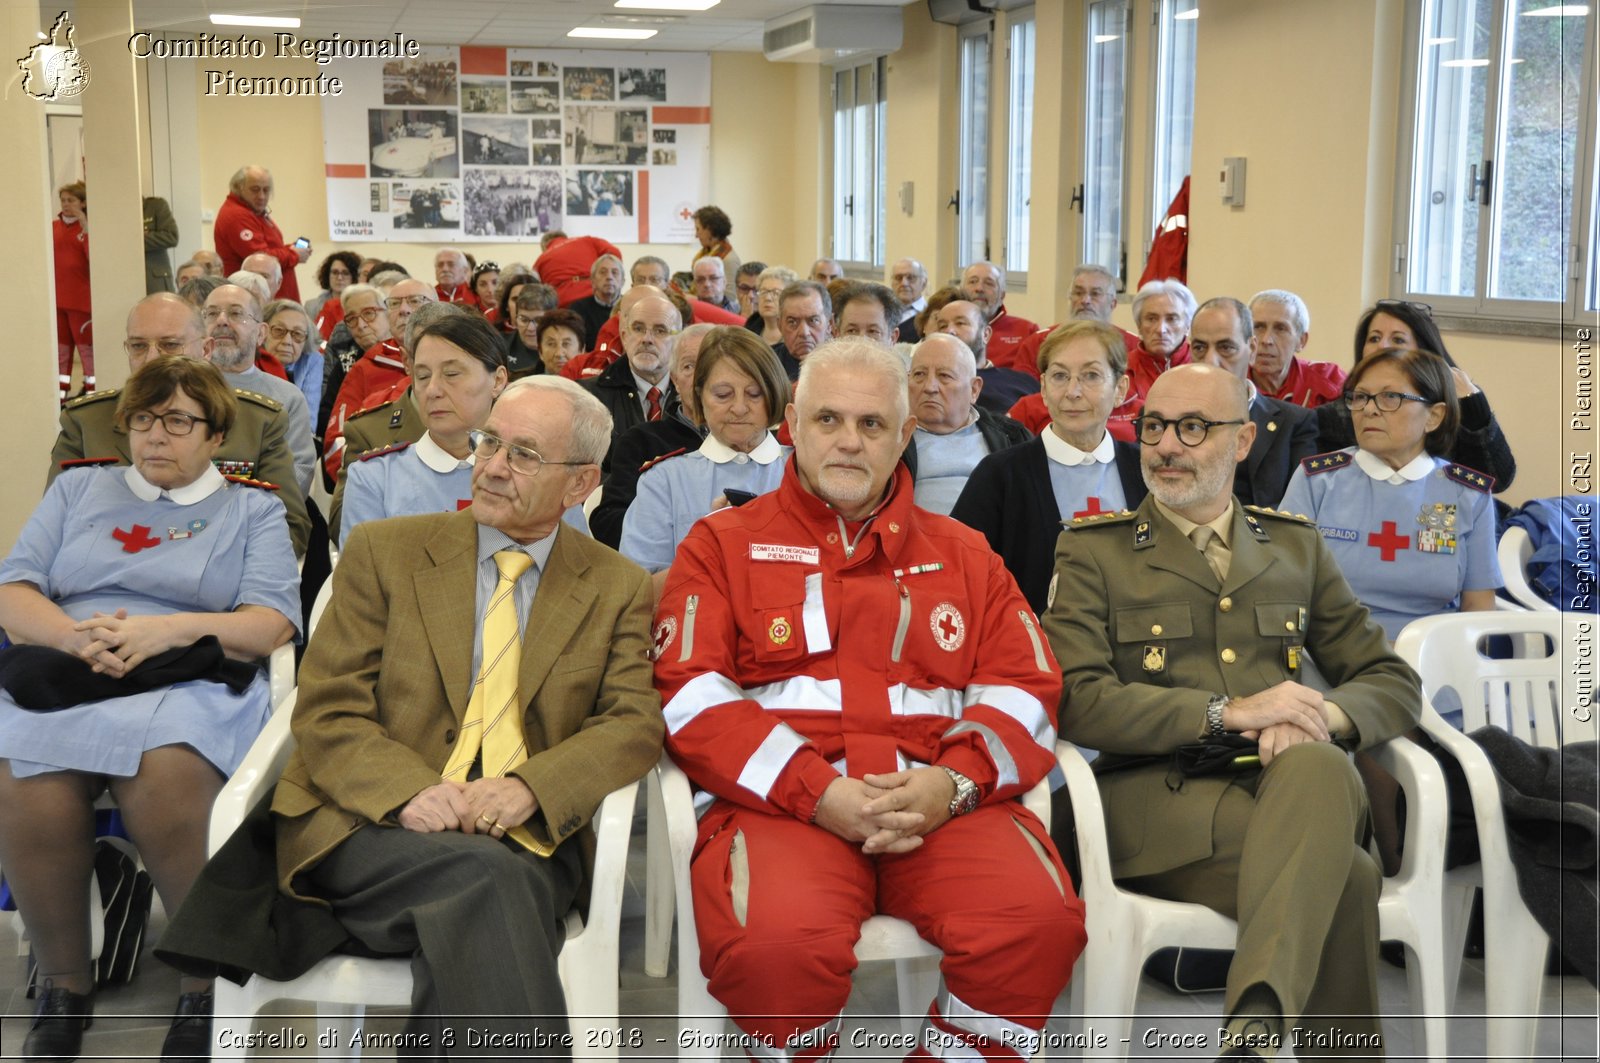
(1479, 442)
(769, 286)
(287, 335)
(139, 601)
(457, 372)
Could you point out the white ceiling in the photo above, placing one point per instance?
(733, 25)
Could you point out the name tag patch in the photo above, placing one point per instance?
(1348, 535)
(805, 555)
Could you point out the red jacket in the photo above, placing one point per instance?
(329, 316)
(565, 267)
(610, 337)
(461, 294)
(783, 663)
(1005, 342)
(269, 363)
(1308, 384)
(379, 368)
(1029, 349)
(72, 265)
(240, 232)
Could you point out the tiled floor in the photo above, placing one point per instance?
(132, 1019)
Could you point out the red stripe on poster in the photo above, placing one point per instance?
(483, 61)
(641, 204)
(681, 115)
(345, 169)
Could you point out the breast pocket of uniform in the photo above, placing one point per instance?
(1145, 636)
(792, 616)
(1282, 626)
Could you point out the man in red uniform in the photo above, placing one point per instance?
(984, 284)
(865, 694)
(1282, 328)
(1093, 297)
(372, 378)
(451, 270)
(566, 262)
(242, 227)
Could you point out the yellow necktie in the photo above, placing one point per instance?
(1209, 543)
(493, 724)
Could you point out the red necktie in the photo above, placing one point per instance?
(653, 397)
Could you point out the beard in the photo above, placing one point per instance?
(1208, 480)
(230, 356)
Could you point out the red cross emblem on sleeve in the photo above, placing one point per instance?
(949, 628)
(1389, 542)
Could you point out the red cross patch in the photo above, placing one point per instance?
(246, 234)
(666, 631)
(780, 631)
(949, 629)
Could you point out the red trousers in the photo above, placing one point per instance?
(74, 330)
(779, 906)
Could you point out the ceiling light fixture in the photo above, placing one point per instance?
(667, 5)
(608, 34)
(256, 20)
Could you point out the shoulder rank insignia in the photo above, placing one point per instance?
(93, 396)
(258, 398)
(247, 482)
(1336, 459)
(1275, 514)
(1097, 520)
(1466, 477)
(398, 416)
(653, 462)
(86, 463)
(379, 452)
(1253, 522)
(1141, 533)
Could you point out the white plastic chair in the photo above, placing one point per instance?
(345, 986)
(592, 502)
(320, 606)
(882, 937)
(1515, 549)
(1524, 695)
(1125, 928)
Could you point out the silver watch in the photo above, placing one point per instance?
(1214, 714)
(966, 798)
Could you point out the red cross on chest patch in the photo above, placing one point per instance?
(139, 538)
(1389, 541)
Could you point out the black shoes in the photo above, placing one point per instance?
(189, 1040)
(56, 1035)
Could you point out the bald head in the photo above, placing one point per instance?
(267, 268)
(944, 384)
(1189, 466)
(163, 324)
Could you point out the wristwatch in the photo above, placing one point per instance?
(1214, 714)
(966, 798)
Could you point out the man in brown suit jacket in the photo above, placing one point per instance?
(410, 861)
(1162, 644)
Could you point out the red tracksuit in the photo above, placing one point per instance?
(368, 383)
(566, 266)
(787, 658)
(1308, 384)
(74, 329)
(1005, 342)
(240, 232)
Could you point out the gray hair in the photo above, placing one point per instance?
(386, 280)
(254, 283)
(591, 421)
(1096, 269)
(999, 271)
(690, 337)
(782, 273)
(278, 306)
(1171, 288)
(242, 174)
(353, 290)
(710, 260)
(429, 314)
(605, 258)
(968, 367)
(1247, 325)
(199, 289)
(801, 289)
(854, 352)
(1299, 313)
(650, 260)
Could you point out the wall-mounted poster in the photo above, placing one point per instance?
(496, 143)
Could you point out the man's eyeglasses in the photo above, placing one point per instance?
(235, 314)
(748, 289)
(278, 332)
(1192, 431)
(175, 422)
(523, 460)
(657, 332)
(412, 301)
(368, 314)
(140, 348)
(1386, 401)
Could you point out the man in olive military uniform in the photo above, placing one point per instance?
(1193, 617)
(256, 447)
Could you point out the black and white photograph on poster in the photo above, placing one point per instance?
(483, 96)
(494, 141)
(535, 97)
(605, 136)
(520, 203)
(600, 193)
(380, 197)
(640, 83)
(545, 128)
(426, 204)
(522, 68)
(413, 143)
(546, 154)
(420, 82)
(547, 69)
(664, 157)
(588, 83)
(664, 136)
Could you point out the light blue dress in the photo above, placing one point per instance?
(413, 478)
(675, 493)
(104, 539)
(1407, 548)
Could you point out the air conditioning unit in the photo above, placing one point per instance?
(826, 34)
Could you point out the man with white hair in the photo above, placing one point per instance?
(605, 282)
(1093, 297)
(711, 285)
(826, 270)
(243, 227)
(452, 272)
(953, 433)
(861, 690)
(634, 388)
(909, 279)
(1282, 329)
(1162, 311)
(984, 284)
(372, 379)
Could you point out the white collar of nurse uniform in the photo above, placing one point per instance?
(439, 459)
(766, 452)
(1378, 469)
(1061, 452)
(204, 486)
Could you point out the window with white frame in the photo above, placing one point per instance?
(1496, 170)
(1019, 147)
(1105, 133)
(859, 173)
(1173, 128)
(972, 177)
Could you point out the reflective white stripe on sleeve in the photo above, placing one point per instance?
(696, 696)
(1005, 768)
(1020, 706)
(766, 763)
(710, 689)
(1000, 1031)
(815, 617)
(800, 692)
(910, 701)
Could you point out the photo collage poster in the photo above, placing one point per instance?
(467, 144)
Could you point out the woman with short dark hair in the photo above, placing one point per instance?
(337, 272)
(712, 227)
